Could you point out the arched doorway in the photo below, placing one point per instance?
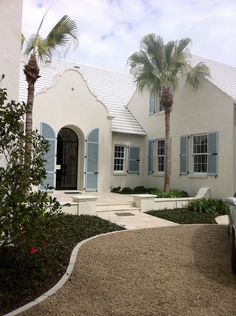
(67, 159)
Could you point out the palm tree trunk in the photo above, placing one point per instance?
(31, 72)
(167, 152)
(167, 102)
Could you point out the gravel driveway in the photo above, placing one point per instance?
(181, 270)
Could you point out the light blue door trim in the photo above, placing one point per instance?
(92, 150)
(48, 184)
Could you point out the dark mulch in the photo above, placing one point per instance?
(181, 270)
(25, 276)
(184, 216)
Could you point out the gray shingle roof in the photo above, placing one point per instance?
(222, 76)
(114, 89)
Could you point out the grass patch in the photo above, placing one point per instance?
(26, 275)
(184, 216)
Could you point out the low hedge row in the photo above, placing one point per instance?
(142, 190)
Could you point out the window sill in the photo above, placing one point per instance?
(159, 174)
(157, 113)
(200, 175)
(119, 173)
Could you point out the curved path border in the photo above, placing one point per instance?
(63, 279)
(68, 272)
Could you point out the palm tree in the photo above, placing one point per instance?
(160, 67)
(38, 48)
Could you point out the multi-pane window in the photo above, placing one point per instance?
(200, 151)
(160, 155)
(154, 103)
(119, 158)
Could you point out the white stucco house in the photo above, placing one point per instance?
(104, 133)
(10, 44)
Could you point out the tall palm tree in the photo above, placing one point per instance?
(41, 49)
(160, 67)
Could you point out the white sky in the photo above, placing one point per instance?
(111, 30)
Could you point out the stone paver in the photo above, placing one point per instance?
(137, 220)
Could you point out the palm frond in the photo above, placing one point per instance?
(153, 46)
(158, 64)
(62, 34)
(193, 76)
(149, 80)
(31, 44)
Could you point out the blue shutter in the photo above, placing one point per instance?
(48, 133)
(92, 161)
(134, 159)
(184, 155)
(212, 154)
(150, 156)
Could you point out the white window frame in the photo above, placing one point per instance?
(159, 156)
(124, 159)
(199, 154)
(157, 105)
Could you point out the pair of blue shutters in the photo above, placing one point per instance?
(212, 154)
(184, 154)
(91, 162)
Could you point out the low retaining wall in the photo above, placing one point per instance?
(81, 205)
(147, 202)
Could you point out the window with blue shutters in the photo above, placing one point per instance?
(91, 179)
(49, 158)
(134, 160)
(204, 154)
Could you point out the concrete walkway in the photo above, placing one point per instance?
(135, 220)
(123, 212)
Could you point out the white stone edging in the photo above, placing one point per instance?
(63, 279)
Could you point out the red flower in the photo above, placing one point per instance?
(33, 250)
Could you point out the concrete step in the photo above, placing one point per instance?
(116, 208)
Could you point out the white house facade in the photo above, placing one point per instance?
(104, 133)
(10, 44)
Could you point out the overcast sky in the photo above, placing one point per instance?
(110, 30)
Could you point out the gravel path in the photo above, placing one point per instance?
(181, 270)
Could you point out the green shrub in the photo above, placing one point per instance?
(171, 194)
(209, 206)
(140, 190)
(116, 190)
(126, 190)
(26, 216)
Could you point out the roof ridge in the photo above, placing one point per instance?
(214, 61)
(87, 65)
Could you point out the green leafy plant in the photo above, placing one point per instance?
(126, 190)
(171, 194)
(26, 216)
(116, 190)
(209, 206)
(140, 190)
